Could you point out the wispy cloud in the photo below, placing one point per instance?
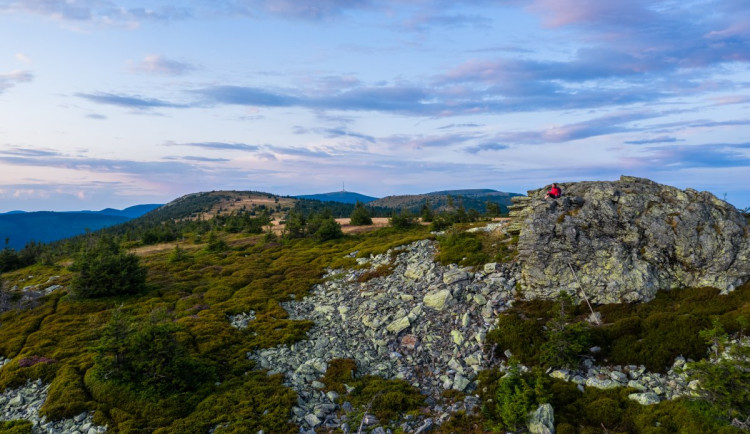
(660, 139)
(314, 11)
(429, 141)
(488, 146)
(218, 146)
(28, 152)
(429, 20)
(297, 152)
(200, 159)
(599, 126)
(724, 155)
(101, 12)
(129, 101)
(11, 79)
(450, 126)
(249, 96)
(160, 65)
(333, 133)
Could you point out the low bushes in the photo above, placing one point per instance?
(462, 248)
(386, 399)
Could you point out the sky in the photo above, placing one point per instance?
(112, 103)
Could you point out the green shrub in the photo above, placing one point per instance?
(441, 221)
(523, 337)
(67, 395)
(216, 244)
(177, 255)
(509, 399)
(329, 229)
(654, 341)
(295, 225)
(565, 342)
(461, 248)
(426, 213)
(360, 215)
(603, 411)
(724, 382)
(104, 270)
(402, 220)
(386, 399)
(148, 356)
(16, 427)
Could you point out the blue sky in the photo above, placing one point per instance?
(109, 103)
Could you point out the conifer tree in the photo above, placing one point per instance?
(360, 215)
(104, 270)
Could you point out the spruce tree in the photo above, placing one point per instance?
(360, 216)
(104, 270)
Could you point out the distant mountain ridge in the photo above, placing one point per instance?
(20, 227)
(338, 196)
(442, 200)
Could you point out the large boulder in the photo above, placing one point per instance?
(628, 239)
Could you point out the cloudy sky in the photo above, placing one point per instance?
(111, 103)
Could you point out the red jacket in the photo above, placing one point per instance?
(554, 191)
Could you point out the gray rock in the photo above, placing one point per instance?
(437, 299)
(491, 267)
(627, 239)
(637, 385)
(601, 383)
(312, 420)
(16, 401)
(646, 398)
(398, 325)
(425, 427)
(460, 383)
(542, 421)
(455, 276)
(458, 337)
(619, 377)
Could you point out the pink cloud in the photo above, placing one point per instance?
(559, 13)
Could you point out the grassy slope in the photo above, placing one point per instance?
(199, 292)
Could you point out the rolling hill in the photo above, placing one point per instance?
(47, 226)
(339, 196)
(440, 200)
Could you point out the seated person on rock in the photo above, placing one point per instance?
(553, 192)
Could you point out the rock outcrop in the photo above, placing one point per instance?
(627, 239)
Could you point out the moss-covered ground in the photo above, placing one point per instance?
(197, 291)
(651, 334)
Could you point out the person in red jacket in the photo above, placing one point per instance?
(553, 192)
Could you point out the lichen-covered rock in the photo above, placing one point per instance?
(437, 299)
(628, 239)
(647, 398)
(542, 421)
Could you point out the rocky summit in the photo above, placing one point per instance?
(622, 241)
